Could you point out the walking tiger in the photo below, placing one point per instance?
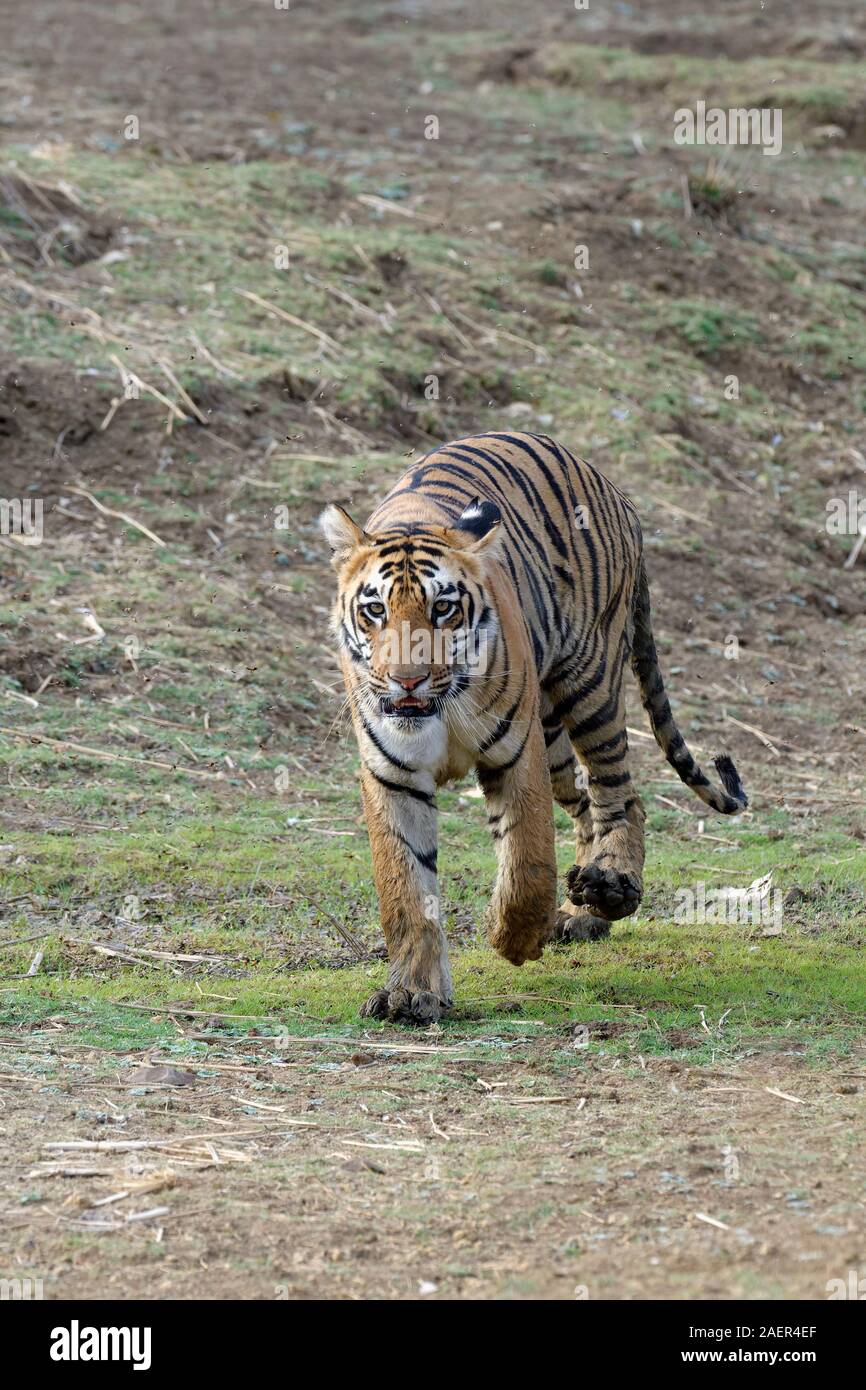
(484, 617)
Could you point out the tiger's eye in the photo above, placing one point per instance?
(442, 606)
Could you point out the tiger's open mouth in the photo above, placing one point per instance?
(409, 707)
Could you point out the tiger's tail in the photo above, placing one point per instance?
(645, 664)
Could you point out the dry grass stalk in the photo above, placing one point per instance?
(121, 516)
(66, 746)
(324, 338)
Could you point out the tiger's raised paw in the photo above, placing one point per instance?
(607, 891)
(581, 927)
(401, 1006)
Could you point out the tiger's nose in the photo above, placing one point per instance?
(408, 677)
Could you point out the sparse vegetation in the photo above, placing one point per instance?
(178, 772)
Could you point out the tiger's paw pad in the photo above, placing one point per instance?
(584, 927)
(402, 1006)
(607, 891)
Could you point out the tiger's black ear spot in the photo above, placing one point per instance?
(478, 518)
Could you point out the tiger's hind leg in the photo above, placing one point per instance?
(568, 782)
(610, 883)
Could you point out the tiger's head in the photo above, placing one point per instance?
(414, 610)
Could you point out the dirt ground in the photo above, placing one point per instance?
(774, 577)
(391, 1165)
(402, 1168)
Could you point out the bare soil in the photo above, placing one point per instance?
(352, 1171)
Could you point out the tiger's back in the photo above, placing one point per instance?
(572, 542)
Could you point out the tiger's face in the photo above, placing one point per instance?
(413, 614)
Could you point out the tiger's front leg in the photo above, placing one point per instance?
(522, 914)
(401, 821)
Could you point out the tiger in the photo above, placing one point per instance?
(484, 616)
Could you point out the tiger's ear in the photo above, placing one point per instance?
(478, 529)
(341, 533)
